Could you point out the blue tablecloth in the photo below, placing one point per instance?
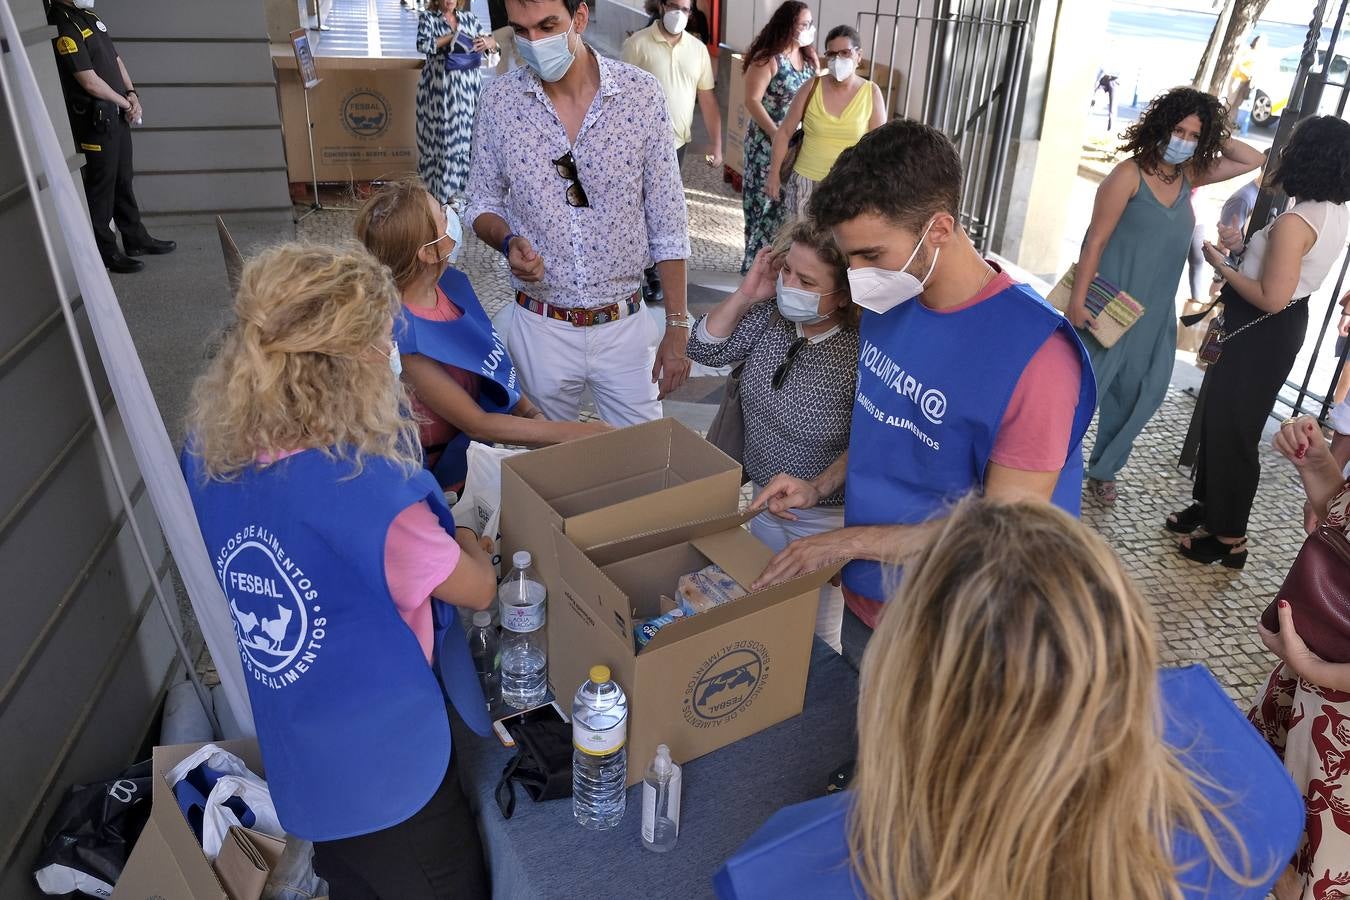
(541, 852)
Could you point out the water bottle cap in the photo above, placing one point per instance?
(663, 762)
(600, 674)
(482, 618)
(522, 559)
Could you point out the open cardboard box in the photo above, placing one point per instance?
(612, 486)
(167, 862)
(702, 682)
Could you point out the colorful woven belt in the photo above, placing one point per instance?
(578, 316)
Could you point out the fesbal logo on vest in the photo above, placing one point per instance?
(277, 620)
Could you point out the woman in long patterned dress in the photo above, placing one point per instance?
(453, 41)
(1304, 711)
(781, 60)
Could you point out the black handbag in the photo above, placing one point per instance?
(542, 764)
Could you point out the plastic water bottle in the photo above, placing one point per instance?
(599, 760)
(661, 802)
(524, 643)
(485, 647)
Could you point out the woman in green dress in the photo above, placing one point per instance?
(781, 59)
(1138, 240)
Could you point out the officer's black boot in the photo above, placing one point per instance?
(147, 244)
(120, 262)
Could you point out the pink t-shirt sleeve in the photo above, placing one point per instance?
(418, 556)
(1038, 423)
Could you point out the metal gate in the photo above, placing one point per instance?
(957, 65)
(1320, 88)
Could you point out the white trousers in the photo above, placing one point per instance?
(558, 360)
(777, 533)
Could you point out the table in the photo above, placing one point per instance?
(541, 852)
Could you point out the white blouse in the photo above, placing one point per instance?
(1329, 221)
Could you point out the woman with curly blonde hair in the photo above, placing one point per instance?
(1016, 740)
(338, 558)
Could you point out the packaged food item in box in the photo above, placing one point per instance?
(702, 590)
(647, 630)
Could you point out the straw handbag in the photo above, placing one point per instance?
(1113, 310)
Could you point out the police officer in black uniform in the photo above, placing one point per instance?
(102, 104)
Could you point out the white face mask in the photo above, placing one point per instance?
(549, 57)
(807, 36)
(395, 360)
(454, 230)
(842, 68)
(675, 21)
(84, 4)
(800, 305)
(881, 290)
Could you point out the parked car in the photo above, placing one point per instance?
(1270, 89)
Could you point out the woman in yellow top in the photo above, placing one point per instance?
(834, 113)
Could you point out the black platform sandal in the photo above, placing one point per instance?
(1186, 521)
(1210, 549)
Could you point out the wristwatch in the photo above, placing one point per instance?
(506, 244)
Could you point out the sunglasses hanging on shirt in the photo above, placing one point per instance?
(566, 167)
(781, 373)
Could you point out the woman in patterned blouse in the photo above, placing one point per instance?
(1304, 711)
(781, 59)
(453, 41)
(800, 358)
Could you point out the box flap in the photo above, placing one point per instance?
(740, 554)
(657, 539)
(558, 471)
(606, 602)
(241, 866)
(152, 872)
(679, 502)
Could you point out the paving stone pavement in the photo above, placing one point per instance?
(1205, 614)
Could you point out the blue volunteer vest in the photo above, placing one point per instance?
(802, 850)
(351, 721)
(468, 343)
(932, 390)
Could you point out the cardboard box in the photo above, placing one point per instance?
(167, 862)
(703, 682)
(612, 486)
(737, 119)
(364, 114)
(893, 83)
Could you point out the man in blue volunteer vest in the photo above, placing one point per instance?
(967, 380)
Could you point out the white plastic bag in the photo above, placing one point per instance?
(480, 503)
(236, 781)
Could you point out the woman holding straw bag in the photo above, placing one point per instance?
(1138, 240)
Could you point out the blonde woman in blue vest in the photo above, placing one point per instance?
(1017, 740)
(339, 560)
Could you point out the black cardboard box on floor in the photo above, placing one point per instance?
(703, 682)
(168, 863)
(611, 486)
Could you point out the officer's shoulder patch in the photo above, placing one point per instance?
(101, 26)
(85, 33)
(66, 46)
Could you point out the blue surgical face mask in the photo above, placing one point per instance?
(549, 57)
(1178, 150)
(800, 305)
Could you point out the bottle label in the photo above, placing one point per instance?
(649, 811)
(523, 619)
(598, 743)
